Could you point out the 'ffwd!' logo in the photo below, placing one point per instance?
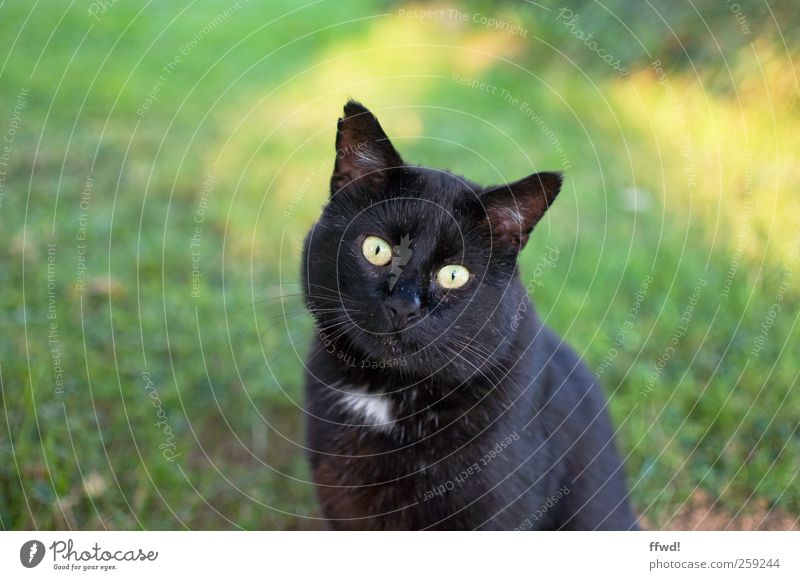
(31, 553)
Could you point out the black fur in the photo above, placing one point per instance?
(495, 424)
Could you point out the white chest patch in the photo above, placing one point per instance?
(372, 410)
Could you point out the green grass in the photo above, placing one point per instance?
(251, 109)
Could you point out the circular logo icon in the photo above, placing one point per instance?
(31, 553)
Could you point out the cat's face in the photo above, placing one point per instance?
(415, 267)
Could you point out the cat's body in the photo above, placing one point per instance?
(427, 408)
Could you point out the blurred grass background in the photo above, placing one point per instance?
(150, 141)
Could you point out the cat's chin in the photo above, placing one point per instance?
(399, 345)
(398, 349)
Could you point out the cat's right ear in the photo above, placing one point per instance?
(512, 210)
(364, 154)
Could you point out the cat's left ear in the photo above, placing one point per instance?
(364, 154)
(513, 210)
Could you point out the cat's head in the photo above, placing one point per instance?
(407, 265)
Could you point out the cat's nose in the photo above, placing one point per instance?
(402, 309)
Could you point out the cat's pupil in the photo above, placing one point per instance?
(377, 249)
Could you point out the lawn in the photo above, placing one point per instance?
(161, 164)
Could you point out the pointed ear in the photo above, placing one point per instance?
(363, 151)
(513, 210)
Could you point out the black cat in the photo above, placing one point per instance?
(431, 403)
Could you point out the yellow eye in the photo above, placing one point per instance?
(452, 276)
(376, 250)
